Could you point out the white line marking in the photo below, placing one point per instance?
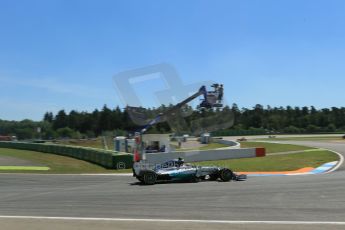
(172, 220)
(340, 163)
(62, 174)
(105, 174)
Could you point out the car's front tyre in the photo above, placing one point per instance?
(149, 177)
(226, 175)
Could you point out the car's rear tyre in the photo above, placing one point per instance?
(226, 175)
(194, 179)
(149, 177)
(140, 179)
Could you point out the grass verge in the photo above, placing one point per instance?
(56, 163)
(94, 143)
(316, 138)
(274, 147)
(287, 162)
(28, 168)
(213, 146)
(204, 147)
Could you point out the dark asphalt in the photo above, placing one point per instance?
(303, 198)
(43, 224)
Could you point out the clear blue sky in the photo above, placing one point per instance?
(63, 54)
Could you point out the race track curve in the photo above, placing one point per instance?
(306, 202)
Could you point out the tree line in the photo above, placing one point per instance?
(118, 121)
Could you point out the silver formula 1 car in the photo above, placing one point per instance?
(176, 170)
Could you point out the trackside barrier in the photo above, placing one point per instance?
(206, 155)
(113, 160)
(105, 158)
(231, 144)
(123, 161)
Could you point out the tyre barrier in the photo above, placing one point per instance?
(105, 158)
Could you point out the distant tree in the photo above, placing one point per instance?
(66, 132)
(236, 111)
(331, 128)
(25, 133)
(74, 120)
(48, 116)
(94, 122)
(313, 129)
(61, 120)
(292, 129)
(257, 119)
(115, 119)
(105, 119)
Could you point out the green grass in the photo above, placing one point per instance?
(56, 163)
(84, 143)
(213, 146)
(94, 143)
(287, 162)
(316, 138)
(28, 168)
(205, 147)
(274, 147)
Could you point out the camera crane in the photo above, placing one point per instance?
(211, 99)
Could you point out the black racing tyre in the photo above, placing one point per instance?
(202, 178)
(226, 175)
(140, 179)
(149, 177)
(194, 179)
(213, 177)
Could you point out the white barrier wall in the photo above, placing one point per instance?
(231, 144)
(205, 155)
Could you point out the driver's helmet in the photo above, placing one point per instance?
(180, 161)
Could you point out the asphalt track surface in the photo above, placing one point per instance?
(118, 202)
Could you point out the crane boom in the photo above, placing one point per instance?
(161, 116)
(211, 99)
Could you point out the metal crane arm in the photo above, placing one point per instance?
(161, 116)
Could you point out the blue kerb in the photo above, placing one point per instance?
(324, 168)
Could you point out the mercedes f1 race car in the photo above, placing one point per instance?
(177, 171)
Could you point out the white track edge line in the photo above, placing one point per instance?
(177, 220)
(69, 174)
(340, 163)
